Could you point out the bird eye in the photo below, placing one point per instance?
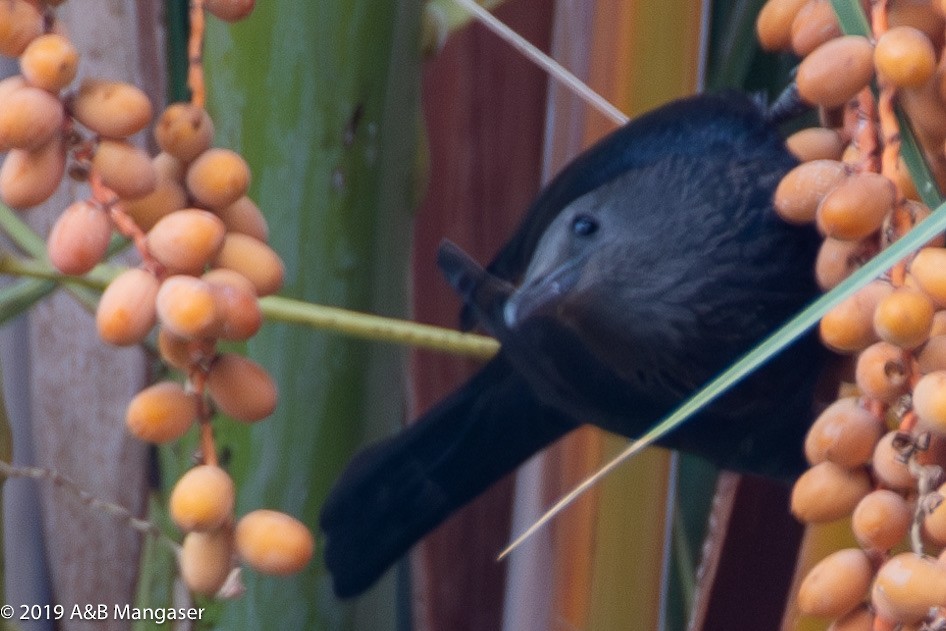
(583, 225)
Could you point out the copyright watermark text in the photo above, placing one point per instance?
(99, 611)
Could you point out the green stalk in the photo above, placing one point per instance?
(378, 328)
(321, 99)
(41, 278)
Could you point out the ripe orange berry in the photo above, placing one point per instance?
(206, 560)
(881, 372)
(179, 352)
(845, 433)
(161, 413)
(218, 177)
(185, 306)
(124, 168)
(202, 499)
(29, 118)
(919, 15)
(30, 177)
(184, 130)
(274, 543)
(50, 62)
(774, 23)
(79, 238)
(241, 388)
(816, 143)
(239, 315)
(888, 465)
(856, 207)
(253, 259)
(928, 269)
(168, 195)
(836, 585)
(227, 277)
(826, 492)
(904, 56)
(11, 84)
(112, 108)
(932, 356)
(904, 318)
(168, 167)
(244, 216)
(20, 23)
(907, 586)
(801, 190)
(814, 25)
(839, 259)
(126, 311)
(929, 401)
(881, 520)
(835, 71)
(186, 240)
(849, 326)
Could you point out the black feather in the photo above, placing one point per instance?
(647, 266)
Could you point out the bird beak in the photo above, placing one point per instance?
(545, 295)
(482, 293)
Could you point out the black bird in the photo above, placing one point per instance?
(645, 267)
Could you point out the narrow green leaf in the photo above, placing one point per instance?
(85, 289)
(851, 17)
(919, 170)
(731, 50)
(22, 235)
(117, 244)
(176, 19)
(22, 294)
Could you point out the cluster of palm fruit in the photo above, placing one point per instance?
(205, 262)
(877, 453)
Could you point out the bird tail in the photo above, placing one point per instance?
(393, 493)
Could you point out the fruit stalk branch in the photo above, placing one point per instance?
(277, 308)
(117, 511)
(208, 452)
(97, 279)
